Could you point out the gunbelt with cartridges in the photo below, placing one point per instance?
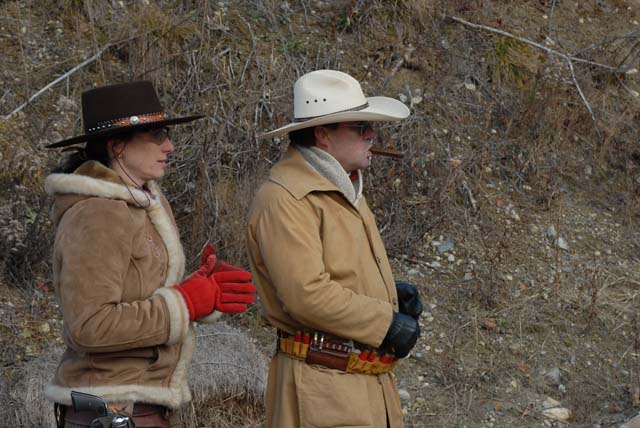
(335, 353)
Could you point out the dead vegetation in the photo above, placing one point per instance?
(526, 119)
(227, 380)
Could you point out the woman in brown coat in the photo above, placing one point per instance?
(118, 265)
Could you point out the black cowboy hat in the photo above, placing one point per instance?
(117, 109)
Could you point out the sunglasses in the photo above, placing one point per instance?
(159, 135)
(361, 127)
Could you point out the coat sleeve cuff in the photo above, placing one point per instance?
(177, 312)
(385, 320)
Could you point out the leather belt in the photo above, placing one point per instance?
(335, 353)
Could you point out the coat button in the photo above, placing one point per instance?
(379, 260)
(379, 381)
(395, 301)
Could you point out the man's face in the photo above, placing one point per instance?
(349, 144)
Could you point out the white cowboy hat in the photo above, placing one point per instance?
(330, 96)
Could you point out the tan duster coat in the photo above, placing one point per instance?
(319, 263)
(128, 335)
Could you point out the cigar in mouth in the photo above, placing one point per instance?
(386, 152)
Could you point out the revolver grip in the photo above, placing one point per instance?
(82, 401)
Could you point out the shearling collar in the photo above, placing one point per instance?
(94, 179)
(300, 178)
(331, 169)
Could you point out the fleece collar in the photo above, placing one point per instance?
(305, 170)
(331, 169)
(92, 179)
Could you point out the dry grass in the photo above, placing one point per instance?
(227, 380)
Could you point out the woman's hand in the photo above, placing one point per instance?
(235, 288)
(199, 291)
(220, 266)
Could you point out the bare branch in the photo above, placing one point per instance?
(472, 200)
(538, 45)
(59, 79)
(568, 58)
(575, 81)
(404, 58)
(550, 27)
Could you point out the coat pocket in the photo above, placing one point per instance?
(330, 398)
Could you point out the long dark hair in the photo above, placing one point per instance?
(93, 150)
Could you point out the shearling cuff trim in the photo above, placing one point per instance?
(178, 314)
(212, 318)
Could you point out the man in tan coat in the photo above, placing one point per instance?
(321, 268)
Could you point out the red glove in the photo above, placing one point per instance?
(199, 291)
(235, 290)
(220, 266)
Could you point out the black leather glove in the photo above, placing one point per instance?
(402, 335)
(409, 299)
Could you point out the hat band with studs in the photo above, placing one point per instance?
(128, 121)
(303, 119)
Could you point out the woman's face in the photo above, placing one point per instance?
(143, 157)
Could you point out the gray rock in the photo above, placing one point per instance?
(551, 233)
(445, 246)
(561, 414)
(562, 243)
(553, 377)
(550, 403)
(511, 212)
(404, 395)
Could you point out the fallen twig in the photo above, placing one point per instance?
(422, 263)
(59, 79)
(404, 58)
(575, 81)
(568, 58)
(472, 200)
(539, 46)
(550, 27)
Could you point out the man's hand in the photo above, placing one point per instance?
(402, 335)
(409, 299)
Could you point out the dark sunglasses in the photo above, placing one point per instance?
(361, 127)
(159, 135)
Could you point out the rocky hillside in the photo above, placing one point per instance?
(515, 208)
